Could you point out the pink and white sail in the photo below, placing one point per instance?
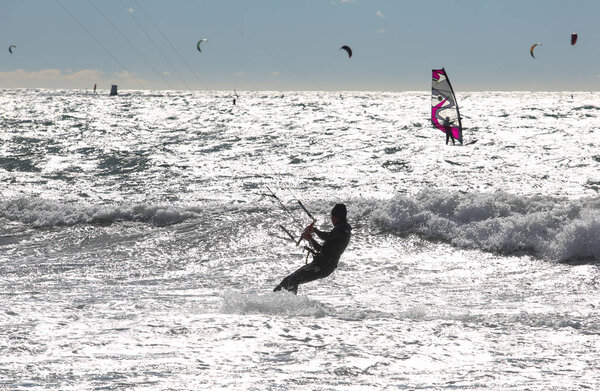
(444, 110)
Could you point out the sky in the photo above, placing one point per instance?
(281, 45)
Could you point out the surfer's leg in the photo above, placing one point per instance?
(287, 286)
(290, 283)
(303, 275)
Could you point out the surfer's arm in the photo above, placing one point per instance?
(307, 235)
(336, 232)
(316, 245)
(321, 234)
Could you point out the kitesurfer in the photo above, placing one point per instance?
(448, 128)
(327, 254)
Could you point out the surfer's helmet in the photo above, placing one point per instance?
(339, 210)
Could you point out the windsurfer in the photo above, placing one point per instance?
(445, 115)
(448, 128)
(327, 255)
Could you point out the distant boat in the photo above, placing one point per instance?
(113, 90)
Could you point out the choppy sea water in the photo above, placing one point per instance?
(139, 247)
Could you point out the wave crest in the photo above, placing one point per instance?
(47, 213)
(547, 227)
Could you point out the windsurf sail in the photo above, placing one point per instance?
(444, 110)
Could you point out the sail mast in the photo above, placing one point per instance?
(455, 102)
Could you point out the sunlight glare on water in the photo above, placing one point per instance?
(139, 244)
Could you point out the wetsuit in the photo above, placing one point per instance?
(326, 259)
(449, 134)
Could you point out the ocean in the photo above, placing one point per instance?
(139, 244)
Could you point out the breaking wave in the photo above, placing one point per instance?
(547, 227)
(40, 212)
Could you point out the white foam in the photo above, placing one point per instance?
(548, 227)
(40, 212)
(278, 303)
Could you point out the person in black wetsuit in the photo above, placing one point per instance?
(327, 255)
(448, 127)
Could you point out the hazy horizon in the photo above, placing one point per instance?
(424, 91)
